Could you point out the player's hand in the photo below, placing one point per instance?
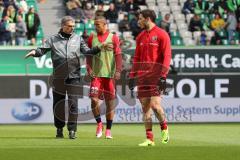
(107, 47)
(30, 54)
(117, 75)
(131, 83)
(87, 78)
(162, 85)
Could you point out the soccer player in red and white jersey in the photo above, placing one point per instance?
(151, 63)
(104, 68)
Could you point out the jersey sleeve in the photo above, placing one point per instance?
(167, 54)
(117, 52)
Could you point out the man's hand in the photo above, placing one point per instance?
(162, 85)
(107, 46)
(131, 83)
(117, 75)
(31, 53)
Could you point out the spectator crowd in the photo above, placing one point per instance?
(19, 23)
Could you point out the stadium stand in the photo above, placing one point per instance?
(20, 23)
(188, 22)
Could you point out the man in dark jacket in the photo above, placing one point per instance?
(65, 48)
(32, 22)
(5, 34)
(111, 14)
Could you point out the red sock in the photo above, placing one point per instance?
(149, 134)
(163, 125)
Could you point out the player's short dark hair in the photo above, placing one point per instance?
(101, 18)
(99, 13)
(148, 13)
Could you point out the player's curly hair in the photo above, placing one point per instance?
(148, 13)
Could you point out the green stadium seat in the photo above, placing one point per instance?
(27, 42)
(175, 34)
(130, 17)
(222, 33)
(79, 31)
(236, 35)
(106, 2)
(225, 42)
(177, 41)
(237, 41)
(158, 20)
(224, 16)
(40, 33)
(39, 42)
(203, 16)
(211, 17)
(89, 26)
(80, 26)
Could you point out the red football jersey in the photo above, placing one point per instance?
(153, 54)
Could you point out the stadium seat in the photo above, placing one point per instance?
(164, 8)
(237, 41)
(173, 27)
(127, 35)
(79, 31)
(178, 16)
(189, 42)
(173, 1)
(39, 42)
(225, 42)
(158, 20)
(182, 26)
(203, 16)
(209, 34)
(40, 34)
(222, 33)
(113, 27)
(177, 41)
(186, 34)
(106, 1)
(175, 8)
(32, 3)
(142, 7)
(105, 7)
(80, 26)
(162, 1)
(175, 34)
(211, 16)
(149, 4)
(188, 17)
(196, 34)
(236, 35)
(89, 26)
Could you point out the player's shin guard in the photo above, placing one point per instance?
(163, 125)
(98, 119)
(149, 134)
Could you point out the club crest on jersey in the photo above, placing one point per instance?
(154, 38)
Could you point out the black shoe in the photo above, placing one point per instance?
(72, 135)
(59, 133)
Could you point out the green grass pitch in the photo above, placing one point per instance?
(187, 142)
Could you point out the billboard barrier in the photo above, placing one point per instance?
(177, 110)
(189, 60)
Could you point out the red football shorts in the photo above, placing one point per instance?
(103, 88)
(147, 87)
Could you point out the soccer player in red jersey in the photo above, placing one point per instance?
(104, 70)
(151, 63)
